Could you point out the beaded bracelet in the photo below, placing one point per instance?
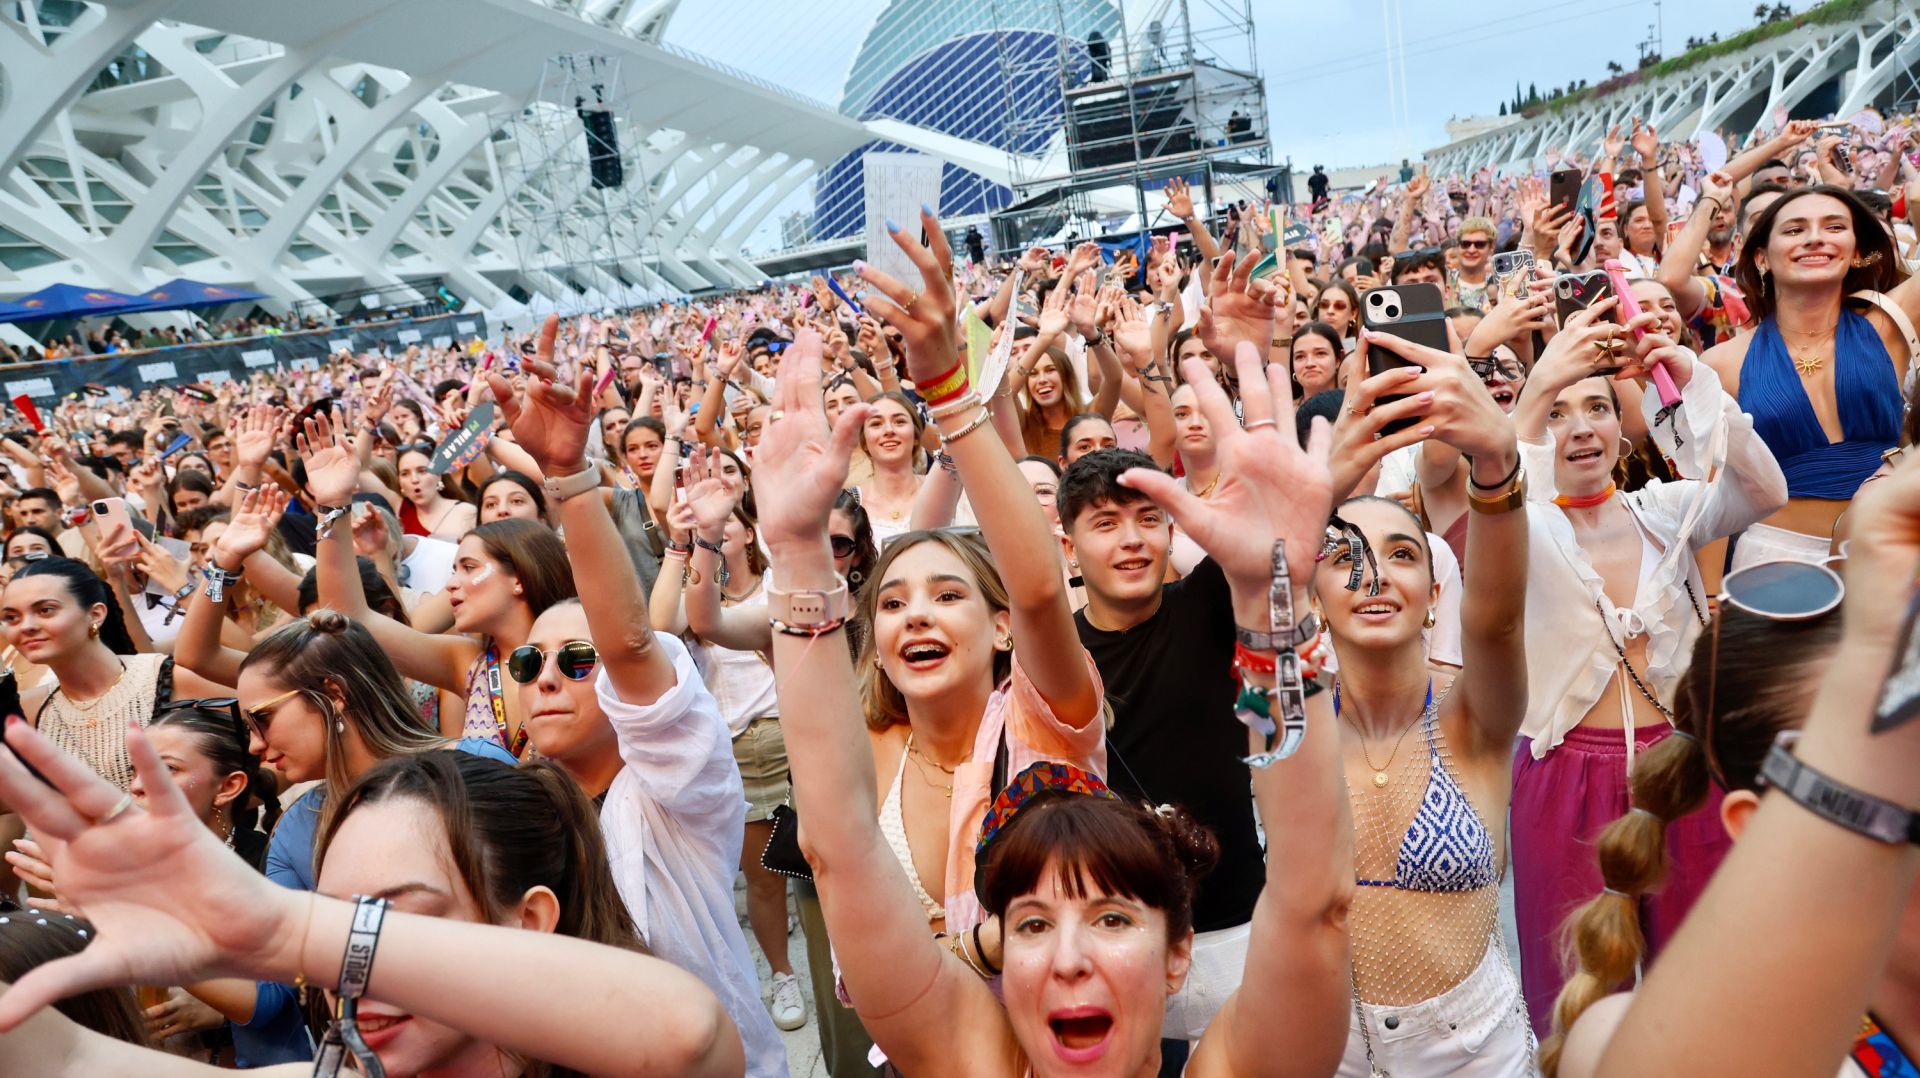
(817, 630)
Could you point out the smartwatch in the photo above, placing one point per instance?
(562, 487)
(809, 609)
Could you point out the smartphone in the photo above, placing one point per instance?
(109, 512)
(1411, 312)
(1575, 292)
(1513, 269)
(1563, 187)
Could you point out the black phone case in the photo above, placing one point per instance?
(1419, 315)
(1563, 187)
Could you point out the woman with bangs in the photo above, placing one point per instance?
(1830, 364)
(1615, 600)
(504, 575)
(1093, 894)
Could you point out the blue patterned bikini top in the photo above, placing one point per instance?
(1447, 846)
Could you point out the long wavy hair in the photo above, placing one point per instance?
(1880, 269)
(880, 701)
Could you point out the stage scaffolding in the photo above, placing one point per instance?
(580, 243)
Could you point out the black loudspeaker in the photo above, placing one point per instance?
(603, 151)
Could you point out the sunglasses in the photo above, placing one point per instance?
(577, 659)
(1496, 366)
(225, 706)
(1777, 591)
(843, 546)
(1475, 245)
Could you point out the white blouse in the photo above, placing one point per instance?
(1570, 657)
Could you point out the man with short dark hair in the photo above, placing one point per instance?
(1165, 653)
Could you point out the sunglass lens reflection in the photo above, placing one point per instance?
(1783, 589)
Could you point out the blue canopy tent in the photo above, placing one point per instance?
(181, 293)
(69, 301)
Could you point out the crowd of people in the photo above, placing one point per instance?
(1077, 655)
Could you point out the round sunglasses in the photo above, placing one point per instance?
(577, 659)
(1777, 591)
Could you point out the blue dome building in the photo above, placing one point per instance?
(985, 72)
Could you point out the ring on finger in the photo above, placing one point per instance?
(912, 298)
(1356, 410)
(120, 806)
(1258, 423)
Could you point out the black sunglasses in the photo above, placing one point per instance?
(1489, 367)
(577, 660)
(843, 545)
(227, 706)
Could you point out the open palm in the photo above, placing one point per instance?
(333, 469)
(801, 465)
(551, 420)
(1234, 313)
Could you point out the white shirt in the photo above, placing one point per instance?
(430, 565)
(675, 818)
(1570, 658)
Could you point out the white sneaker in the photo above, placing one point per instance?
(788, 1008)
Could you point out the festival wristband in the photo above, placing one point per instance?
(323, 526)
(1834, 801)
(947, 386)
(1289, 690)
(1308, 628)
(356, 969)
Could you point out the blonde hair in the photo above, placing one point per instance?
(880, 702)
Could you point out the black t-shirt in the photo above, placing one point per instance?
(1317, 184)
(1174, 739)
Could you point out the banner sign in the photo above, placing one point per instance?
(463, 446)
(223, 361)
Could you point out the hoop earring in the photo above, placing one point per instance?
(855, 576)
(1626, 447)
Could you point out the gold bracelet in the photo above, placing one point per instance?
(1505, 501)
(300, 957)
(976, 423)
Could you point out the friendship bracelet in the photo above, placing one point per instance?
(954, 407)
(979, 421)
(947, 386)
(809, 631)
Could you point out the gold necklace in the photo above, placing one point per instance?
(89, 705)
(920, 764)
(1380, 771)
(1209, 487)
(1812, 363)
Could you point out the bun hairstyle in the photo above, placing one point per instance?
(325, 653)
(1767, 673)
(88, 590)
(1100, 845)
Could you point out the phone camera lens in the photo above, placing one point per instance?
(1392, 312)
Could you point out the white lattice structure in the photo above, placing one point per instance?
(305, 148)
(1848, 65)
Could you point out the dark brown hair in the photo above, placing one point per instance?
(534, 555)
(1767, 673)
(509, 829)
(33, 937)
(1098, 845)
(1871, 242)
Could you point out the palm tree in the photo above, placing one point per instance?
(1762, 12)
(1614, 68)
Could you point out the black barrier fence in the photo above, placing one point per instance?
(222, 361)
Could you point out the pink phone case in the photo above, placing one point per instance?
(1630, 310)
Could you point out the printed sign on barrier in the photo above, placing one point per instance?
(159, 372)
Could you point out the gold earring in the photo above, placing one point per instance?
(1430, 617)
(93, 631)
(1004, 643)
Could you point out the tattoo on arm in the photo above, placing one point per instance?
(1152, 373)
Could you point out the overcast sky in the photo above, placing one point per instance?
(1324, 61)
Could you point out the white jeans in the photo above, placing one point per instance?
(1219, 960)
(1476, 1029)
(1764, 542)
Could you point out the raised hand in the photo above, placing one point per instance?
(1179, 199)
(1459, 408)
(370, 537)
(801, 464)
(169, 903)
(159, 566)
(1234, 312)
(1646, 142)
(1269, 488)
(551, 421)
(254, 517)
(1358, 444)
(1614, 143)
(1053, 313)
(30, 867)
(924, 318)
(333, 469)
(255, 435)
(708, 495)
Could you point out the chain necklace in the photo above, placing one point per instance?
(89, 705)
(1812, 362)
(1631, 672)
(1208, 489)
(1379, 770)
(920, 763)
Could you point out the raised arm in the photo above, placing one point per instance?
(1493, 681)
(1298, 961)
(1646, 143)
(170, 904)
(910, 994)
(198, 646)
(1010, 519)
(1682, 256)
(553, 422)
(712, 502)
(332, 476)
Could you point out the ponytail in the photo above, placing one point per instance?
(1603, 935)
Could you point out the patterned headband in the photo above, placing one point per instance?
(1043, 777)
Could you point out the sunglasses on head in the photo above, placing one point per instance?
(1777, 591)
(226, 707)
(577, 659)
